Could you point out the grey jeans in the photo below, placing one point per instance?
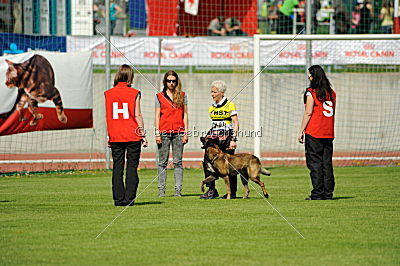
(174, 140)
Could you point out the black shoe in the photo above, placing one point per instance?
(210, 194)
(226, 195)
(311, 198)
(120, 203)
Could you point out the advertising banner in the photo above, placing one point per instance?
(45, 91)
(234, 51)
(45, 17)
(82, 17)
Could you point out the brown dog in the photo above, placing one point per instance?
(224, 165)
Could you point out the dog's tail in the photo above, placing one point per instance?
(265, 171)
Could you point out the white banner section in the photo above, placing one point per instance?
(225, 51)
(72, 74)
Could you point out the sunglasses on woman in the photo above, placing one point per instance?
(171, 80)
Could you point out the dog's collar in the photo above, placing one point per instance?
(216, 157)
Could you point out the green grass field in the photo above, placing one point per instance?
(55, 218)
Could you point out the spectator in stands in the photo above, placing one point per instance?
(285, 16)
(125, 135)
(317, 132)
(233, 27)
(365, 19)
(224, 128)
(115, 10)
(355, 16)
(171, 123)
(386, 15)
(341, 17)
(268, 17)
(216, 28)
(315, 7)
(96, 17)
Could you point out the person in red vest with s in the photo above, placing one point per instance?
(171, 124)
(126, 135)
(317, 132)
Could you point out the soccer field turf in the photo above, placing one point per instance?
(55, 218)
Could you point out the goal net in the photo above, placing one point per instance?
(363, 70)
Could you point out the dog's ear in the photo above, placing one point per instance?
(203, 139)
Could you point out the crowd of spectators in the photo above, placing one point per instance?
(345, 17)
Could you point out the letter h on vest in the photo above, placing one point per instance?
(124, 111)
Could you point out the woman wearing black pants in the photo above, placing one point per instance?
(317, 131)
(126, 135)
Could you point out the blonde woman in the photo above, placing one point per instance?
(171, 123)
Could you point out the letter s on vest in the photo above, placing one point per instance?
(328, 108)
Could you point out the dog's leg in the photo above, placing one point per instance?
(207, 180)
(246, 191)
(257, 180)
(228, 187)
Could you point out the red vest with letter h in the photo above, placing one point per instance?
(120, 113)
(171, 117)
(322, 121)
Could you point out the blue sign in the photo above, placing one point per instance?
(19, 43)
(13, 49)
(137, 14)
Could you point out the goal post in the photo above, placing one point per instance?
(360, 68)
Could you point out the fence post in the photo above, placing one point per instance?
(108, 70)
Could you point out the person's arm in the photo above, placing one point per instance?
(382, 14)
(235, 121)
(157, 125)
(139, 120)
(185, 137)
(118, 9)
(306, 118)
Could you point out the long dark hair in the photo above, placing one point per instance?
(124, 74)
(320, 83)
(177, 93)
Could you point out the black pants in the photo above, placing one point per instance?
(232, 179)
(285, 24)
(319, 153)
(132, 149)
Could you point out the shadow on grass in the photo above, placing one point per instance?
(6, 201)
(340, 198)
(147, 203)
(191, 195)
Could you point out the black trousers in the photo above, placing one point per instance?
(319, 153)
(125, 193)
(285, 24)
(232, 179)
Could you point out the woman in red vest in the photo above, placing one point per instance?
(317, 131)
(126, 135)
(171, 125)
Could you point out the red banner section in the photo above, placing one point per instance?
(77, 118)
(169, 18)
(45, 91)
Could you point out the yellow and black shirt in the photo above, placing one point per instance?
(221, 115)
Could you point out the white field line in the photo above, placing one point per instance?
(365, 158)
